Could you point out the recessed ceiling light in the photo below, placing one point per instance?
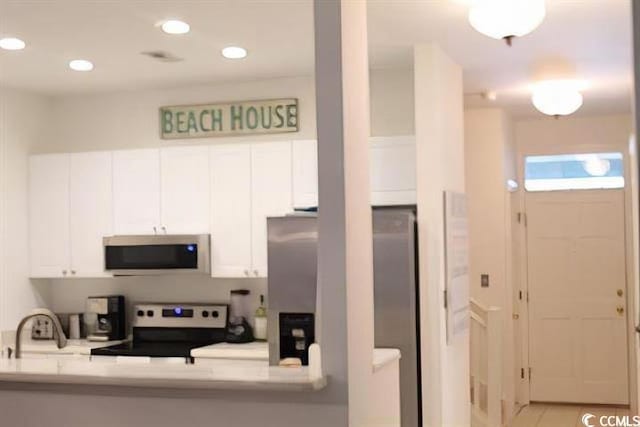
(12, 43)
(81, 65)
(174, 26)
(234, 52)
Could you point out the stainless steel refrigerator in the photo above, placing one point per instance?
(397, 320)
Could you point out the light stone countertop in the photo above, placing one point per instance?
(383, 356)
(82, 347)
(257, 350)
(169, 375)
(227, 374)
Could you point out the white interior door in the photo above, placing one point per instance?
(577, 295)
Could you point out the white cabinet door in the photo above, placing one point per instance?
(230, 210)
(305, 173)
(271, 195)
(185, 190)
(91, 211)
(136, 191)
(49, 215)
(393, 170)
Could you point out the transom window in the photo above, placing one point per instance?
(574, 172)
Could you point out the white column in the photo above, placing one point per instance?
(345, 260)
(440, 166)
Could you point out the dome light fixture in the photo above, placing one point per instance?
(174, 26)
(81, 65)
(557, 97)
(506, 19)
(234, 52)
(12, 43)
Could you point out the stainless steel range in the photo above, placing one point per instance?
(171, 330)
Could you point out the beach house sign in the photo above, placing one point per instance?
(227, 119)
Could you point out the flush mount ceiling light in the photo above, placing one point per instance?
(234, 52)
(506, 19)
(12, 43)
(81, 65)
(557, 97)
(174, 26)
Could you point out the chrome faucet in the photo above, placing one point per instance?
(58, 333)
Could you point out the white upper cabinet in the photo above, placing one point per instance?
(393, 170)
(136, 191)
(305, 173)
(185, 186)
(49, 215)
(271, 194)
(230, 210)
(90, 211)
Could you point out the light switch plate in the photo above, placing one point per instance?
(484, 280)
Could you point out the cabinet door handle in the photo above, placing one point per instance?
(155, 230)
(164, 229)
(246, 272)
(255, 272)
(73, 272)
(64, 272)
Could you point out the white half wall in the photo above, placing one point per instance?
(439, 127)
(490, 162)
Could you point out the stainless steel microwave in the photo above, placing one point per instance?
(157, 254)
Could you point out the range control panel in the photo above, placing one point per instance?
(180, 315)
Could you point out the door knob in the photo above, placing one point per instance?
(620, 310)
(620, 292)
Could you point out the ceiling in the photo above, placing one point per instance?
(592, 38)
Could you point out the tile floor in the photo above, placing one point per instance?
(553, 415)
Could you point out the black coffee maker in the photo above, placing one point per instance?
(238, 329)
(110, 318)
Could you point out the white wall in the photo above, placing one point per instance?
(489, 163)
(123, 120)
(439, 124)
(392, 102)
(23, 119)
(573, 134)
